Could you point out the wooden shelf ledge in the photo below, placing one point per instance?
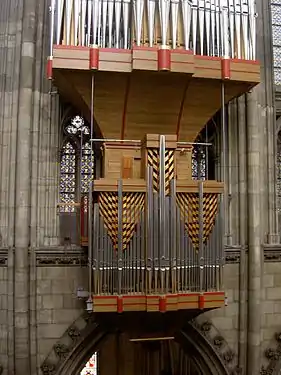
(145, 58)
(158, 303)
(139, 186)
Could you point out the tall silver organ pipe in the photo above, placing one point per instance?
(224, 28)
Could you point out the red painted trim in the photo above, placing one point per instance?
(94, 58)
(162, 304)
(120, 308)
(164, 59)
(124, 117)
(181, 108)
(201, 301)
(50, 68)
(225, 69)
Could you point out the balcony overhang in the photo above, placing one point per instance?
(136, 93)
(151, 59)
(158, 303)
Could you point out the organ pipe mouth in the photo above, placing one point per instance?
(152, 338)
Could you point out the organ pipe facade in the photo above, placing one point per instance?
(155, 236)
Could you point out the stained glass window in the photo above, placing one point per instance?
(278, 187)
(199, 163)
(91, 367)
(76, 165)
(68, 177)
(86, 167)
(77, 126)
(276, 39)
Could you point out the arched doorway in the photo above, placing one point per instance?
(152, 357)
(185, 353)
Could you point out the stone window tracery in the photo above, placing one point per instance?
(278, 161)
(276, 39)
(76, 163)
(199, 163)
(68, 177)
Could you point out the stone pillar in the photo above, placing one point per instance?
(242, 180)
(23, 186)
(233, 168)
(255, 236)
(266, 102)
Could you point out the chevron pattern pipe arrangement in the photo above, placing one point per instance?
(224, 28)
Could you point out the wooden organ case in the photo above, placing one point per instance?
(154, 72)
(156, 236)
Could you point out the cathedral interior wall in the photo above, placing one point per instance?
(57, 303)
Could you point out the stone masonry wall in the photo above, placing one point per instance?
(271, 316)
(57, 304)
(225, 319)
(3, 317)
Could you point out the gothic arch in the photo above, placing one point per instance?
(86, 336)
(67, 111)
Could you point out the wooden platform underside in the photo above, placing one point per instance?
(158, 303)
(128, 105)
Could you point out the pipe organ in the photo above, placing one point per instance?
(205, 27)
(156, 236)
(148, 76)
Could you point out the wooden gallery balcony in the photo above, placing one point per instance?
(156, 238)
(157, 64)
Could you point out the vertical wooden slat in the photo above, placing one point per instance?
(127, 167)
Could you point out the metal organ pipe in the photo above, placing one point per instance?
(211, 27)
(90, 207)
(52, 24)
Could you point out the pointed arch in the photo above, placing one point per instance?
(203, 156)
(76, 161)
(71, 359)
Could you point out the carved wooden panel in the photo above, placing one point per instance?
(132, 206)
(189, 207)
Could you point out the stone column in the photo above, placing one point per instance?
(23, 186)
(242, 179)
(266, 101)
(233, 173)
(254, 233)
